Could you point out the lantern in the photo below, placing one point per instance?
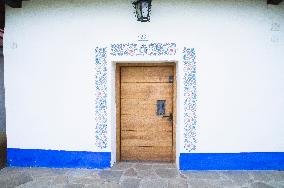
(143, 8)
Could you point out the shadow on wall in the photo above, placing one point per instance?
(3, 140)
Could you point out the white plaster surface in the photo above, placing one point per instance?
(49, 70)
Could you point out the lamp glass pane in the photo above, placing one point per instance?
(144, 9)
(138, 10)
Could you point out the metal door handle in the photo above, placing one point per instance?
(169, 117)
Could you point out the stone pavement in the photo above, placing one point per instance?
(142, 175)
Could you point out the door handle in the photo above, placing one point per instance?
(161, 110)
(169, 117)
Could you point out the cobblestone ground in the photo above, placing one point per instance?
(142, 175)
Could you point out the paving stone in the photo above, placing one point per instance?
(260, 176)
(58, 171)
(164, 165)
(183, 176)
(239, 177)
(141, 166)
(110, 185)
(223, 183)
(86, 181)
(203, 183)
(95, 175)
(130, 183)
(40, 172)
(277, 184)
(260, 185)
(167, 172)
(111, 175)
(154, 183)
(122, 166)
(12, 171)
(130, 172)
(97, 184)
(62, 179)
(177, 183)
(93, 186)
(147, 174)
(276, 175)
(68, 186)
(36, 184)
(151, 175)
(14, 179)
(201, 174)
(45, 178)
(80, 172)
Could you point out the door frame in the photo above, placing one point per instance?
(118, 103)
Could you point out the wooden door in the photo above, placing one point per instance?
(145, 135)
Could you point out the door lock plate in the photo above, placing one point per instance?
(161, 106)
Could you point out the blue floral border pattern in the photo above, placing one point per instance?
(152, 49)
(189, 68)
(101, 98)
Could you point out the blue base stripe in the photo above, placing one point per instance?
(232, 161)
(57, 159)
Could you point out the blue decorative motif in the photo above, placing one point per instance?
(189, 68)
(152, 49)
(101, 97)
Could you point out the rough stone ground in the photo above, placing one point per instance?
(142, 175)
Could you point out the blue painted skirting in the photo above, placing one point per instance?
(57, 159)
(232, 161)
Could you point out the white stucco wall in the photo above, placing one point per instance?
(49, 70)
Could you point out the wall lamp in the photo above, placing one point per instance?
(143, 9)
